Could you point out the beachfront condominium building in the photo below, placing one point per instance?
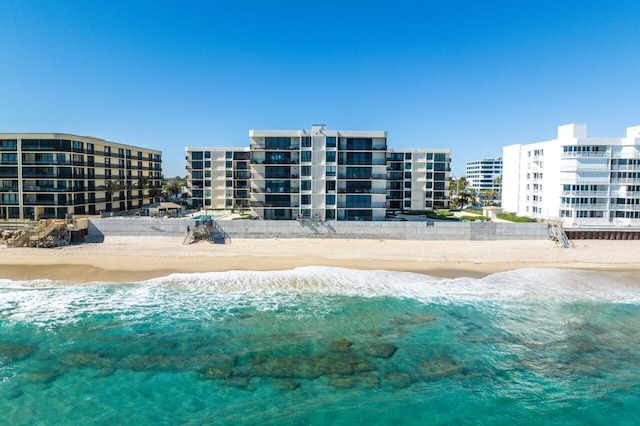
(482, 175)
(52, 175)
(577, 179)
(318, 174)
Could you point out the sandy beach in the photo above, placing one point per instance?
(129, 259)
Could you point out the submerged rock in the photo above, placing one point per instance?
(287, 384)
(381, 350)
(341, 346)
(369, 380)
(9, 354)
(299, 367)
(43, 377)
(360, 365)
(400, 379)
(238, 382)
(439, 368)
(343, 382)
(412, 320)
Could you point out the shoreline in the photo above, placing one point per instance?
(133, 259)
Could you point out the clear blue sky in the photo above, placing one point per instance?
(471, 76)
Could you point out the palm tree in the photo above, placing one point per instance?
(110, 187)
(497, 182)
(172, 190)
(488, 196)
(459, 185)
(462, 199)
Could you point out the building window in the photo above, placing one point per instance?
(330, 185)
(407, 156)
(331, 156)
(331, 142)
(305, 156)
(330, 199)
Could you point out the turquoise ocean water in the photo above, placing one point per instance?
(323, 346)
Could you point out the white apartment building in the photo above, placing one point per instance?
(574, 178)
(482, 174)
(318, 174)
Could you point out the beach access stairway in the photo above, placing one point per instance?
(33, 236)
(556, 233)
(207, 230)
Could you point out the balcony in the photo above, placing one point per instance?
(274, 162)
(599, 206)
(357, 176)
(586, 154)
(377, 205)
(275, 204)
(633, 207)
(633, 181)
(625, 168)
(585, 193)
(44, 189)
(262, 147)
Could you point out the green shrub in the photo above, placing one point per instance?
(513, 218)
(440, 216)
(475, 218)
(415, 212)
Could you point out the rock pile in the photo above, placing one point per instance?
(57, 238)
(9, 237)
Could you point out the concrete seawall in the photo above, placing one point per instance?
(435, 231)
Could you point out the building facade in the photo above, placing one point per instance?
(51, 175)
(318, 174)
(481, 175)
(577, 179)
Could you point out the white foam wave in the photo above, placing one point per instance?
(218, 294)
(520, 285)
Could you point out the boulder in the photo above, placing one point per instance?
(381, 350)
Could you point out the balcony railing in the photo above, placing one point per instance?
(259, 147)
(633, 207)
(367, 176)
(599, 206)
(635, 181)
(586, 154)
(585, 193)
(275, 204)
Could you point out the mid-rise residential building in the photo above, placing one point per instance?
(319, 174)
(52, 175)
(482, 174)
(577, 179)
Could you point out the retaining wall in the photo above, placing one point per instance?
(603, 234)
(471, 231)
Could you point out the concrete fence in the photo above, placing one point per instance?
(469, 231)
